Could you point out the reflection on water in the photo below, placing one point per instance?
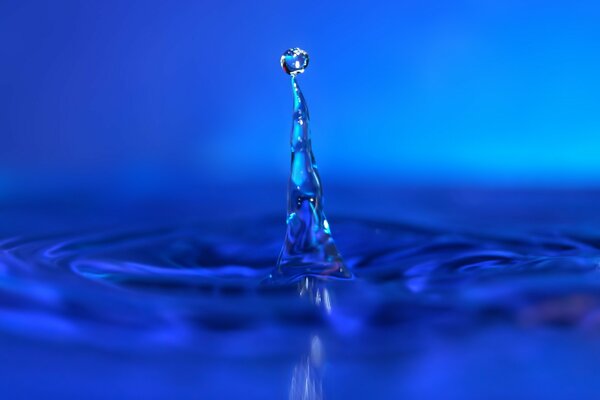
(316, 291)
(307, 378)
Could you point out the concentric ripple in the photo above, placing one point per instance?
(171, 284)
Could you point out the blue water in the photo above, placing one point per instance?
(457, 294)
(308, 247)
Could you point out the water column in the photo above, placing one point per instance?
(309, 248)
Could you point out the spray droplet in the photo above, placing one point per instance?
(294, 61)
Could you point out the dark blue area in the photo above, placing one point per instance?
(460, 294)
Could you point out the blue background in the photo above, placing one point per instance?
(125, 125)
(145, 96)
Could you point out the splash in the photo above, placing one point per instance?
(309, 248)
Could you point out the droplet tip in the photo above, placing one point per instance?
(294, 61)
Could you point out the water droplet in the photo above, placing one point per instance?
(309, 248)
(294, 61)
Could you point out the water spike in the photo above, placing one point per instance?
(309, 249)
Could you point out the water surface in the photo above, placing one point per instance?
(457, 294)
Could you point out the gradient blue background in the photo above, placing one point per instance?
(151, 95)
(167, 108)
